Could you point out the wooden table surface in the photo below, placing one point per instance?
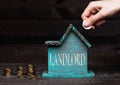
(105, 77)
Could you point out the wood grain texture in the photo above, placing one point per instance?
(102, 77)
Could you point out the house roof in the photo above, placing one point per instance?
(70, 28)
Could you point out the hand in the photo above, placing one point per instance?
(97, 11)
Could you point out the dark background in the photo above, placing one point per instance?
(26, 24)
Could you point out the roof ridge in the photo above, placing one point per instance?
(70, 27)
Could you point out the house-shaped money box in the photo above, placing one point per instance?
(67, 58)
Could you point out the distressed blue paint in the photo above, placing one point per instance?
(71, 43)
(68, 75)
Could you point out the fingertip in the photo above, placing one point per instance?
(87, 23)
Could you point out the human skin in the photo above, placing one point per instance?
(97, 11)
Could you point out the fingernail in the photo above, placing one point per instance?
(87, 24)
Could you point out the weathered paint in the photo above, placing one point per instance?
(69, 58)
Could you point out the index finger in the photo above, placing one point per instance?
(90, 10)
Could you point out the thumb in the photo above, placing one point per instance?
(93, 19)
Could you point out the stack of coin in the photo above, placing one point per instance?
(20, 72)
(31, 72)
(8, 72)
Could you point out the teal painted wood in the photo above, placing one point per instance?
(67, 58)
